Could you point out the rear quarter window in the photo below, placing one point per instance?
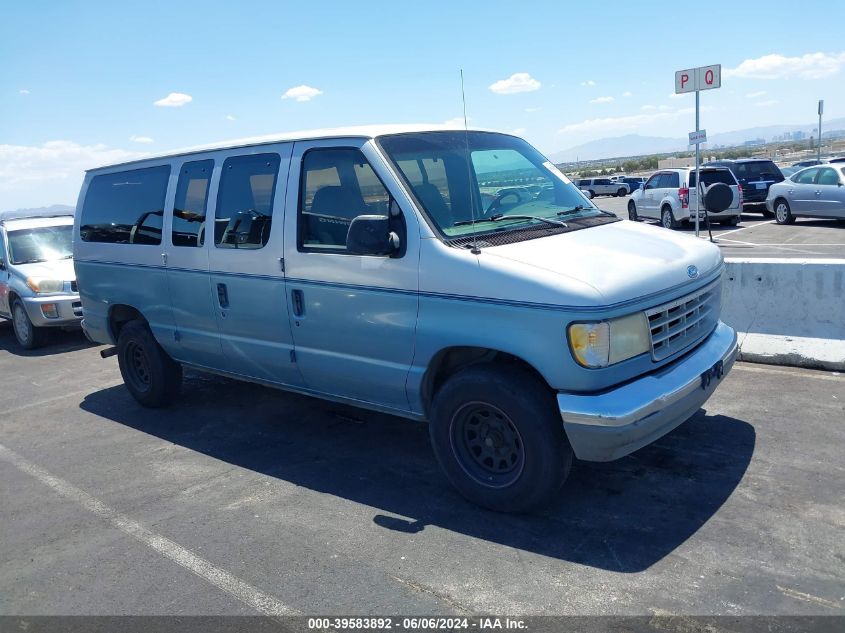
(712, 177)
(125, 207)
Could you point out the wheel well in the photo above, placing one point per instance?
(447, 362)
(120, 315)
(779, 199)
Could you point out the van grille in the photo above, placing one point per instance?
(74, 287)
(680, 324)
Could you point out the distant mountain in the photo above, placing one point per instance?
(53, 208)
(636, 144)
(628, 145)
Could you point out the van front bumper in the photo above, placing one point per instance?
(609, 425)
(68, 310)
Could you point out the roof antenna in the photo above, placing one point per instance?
(475, 250)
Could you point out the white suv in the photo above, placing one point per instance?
(603, 187)
(669, 196)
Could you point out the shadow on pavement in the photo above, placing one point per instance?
(59, 342)
(622, 516)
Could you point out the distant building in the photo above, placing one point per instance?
(673, 163)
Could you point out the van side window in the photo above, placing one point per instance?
(125, 207)
(191, 202)
(245, 201)
(336, 186)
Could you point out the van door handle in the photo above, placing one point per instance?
(222, 295)
(296, 297)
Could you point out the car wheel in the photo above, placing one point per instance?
(783, 214)
(498, 436)
(27, 335)
(151, 376)
(592, 193)
(621, 192)
(632, 211)
(667, 218)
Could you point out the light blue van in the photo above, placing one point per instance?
(443, 275)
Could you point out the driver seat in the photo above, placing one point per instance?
(434, 203)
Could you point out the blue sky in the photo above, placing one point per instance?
(80, 79)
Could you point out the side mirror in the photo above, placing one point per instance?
(371, 235)
(642, 186)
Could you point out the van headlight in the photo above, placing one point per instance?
(44, 286)
(603, 343)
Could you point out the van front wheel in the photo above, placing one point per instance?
(150, 375)
(497, 435)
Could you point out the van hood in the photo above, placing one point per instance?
(620, 261)
(61, 269)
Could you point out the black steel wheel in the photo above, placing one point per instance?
(151, 376)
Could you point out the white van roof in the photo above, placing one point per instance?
(364, 131)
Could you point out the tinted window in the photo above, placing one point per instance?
(602, 181)
(827, 176)
(337, 185)
(653, 182)
(756, 170)
(712, 177)
(190, 204)
(245, 201)
(806, 177)
(125, 207)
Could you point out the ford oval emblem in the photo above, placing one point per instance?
(692, 272)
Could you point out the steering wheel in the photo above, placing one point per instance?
(497, 201)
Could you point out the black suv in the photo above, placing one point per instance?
(755, 176)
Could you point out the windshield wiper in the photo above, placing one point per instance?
(501, 216)
(581, 207)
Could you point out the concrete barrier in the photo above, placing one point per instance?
(787, 311)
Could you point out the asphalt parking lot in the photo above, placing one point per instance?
(242, 500)
(761, 237)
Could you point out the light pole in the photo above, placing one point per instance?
(821, 111)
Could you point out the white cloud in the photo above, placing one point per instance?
(456, 122)
(767, 104)
(229, 117)
(654, 108)
(301, 93)
(628, 123)
(36, 176)
(756, 94)
(627, 93)
(174, 100)
(518, 82)
(533, 109)
(675, 95)
(141, 139)
(24, 91)
(588, 82)
(809, 66)
(602, 100)
(518, 131)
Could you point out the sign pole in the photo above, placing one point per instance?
(697, 164)
(821, 110)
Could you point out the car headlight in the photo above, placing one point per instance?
(42, 286)
(603, 343)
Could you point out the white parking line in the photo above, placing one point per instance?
(234, 586)
(751, 226)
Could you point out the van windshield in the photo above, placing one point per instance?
(41, 244)
(506, 183)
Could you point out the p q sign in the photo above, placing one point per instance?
(702, 78)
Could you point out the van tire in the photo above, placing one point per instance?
(506, 405)
(592, 193)
(621, 192)
(667, 218)
(151, 376)
(27, 335)
(632, 211)
(783, 214)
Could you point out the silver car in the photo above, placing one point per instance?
(37, 281)
(813, 192)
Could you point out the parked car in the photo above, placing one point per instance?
(806, 163)
(634, 182)
(358, 266)
(755, 176)
(603, 187)
(670, 196)
(813, 192)
(788, 171)
(838, 159)
(37, 282)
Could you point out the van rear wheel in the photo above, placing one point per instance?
(498, 436)
(151, 376)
